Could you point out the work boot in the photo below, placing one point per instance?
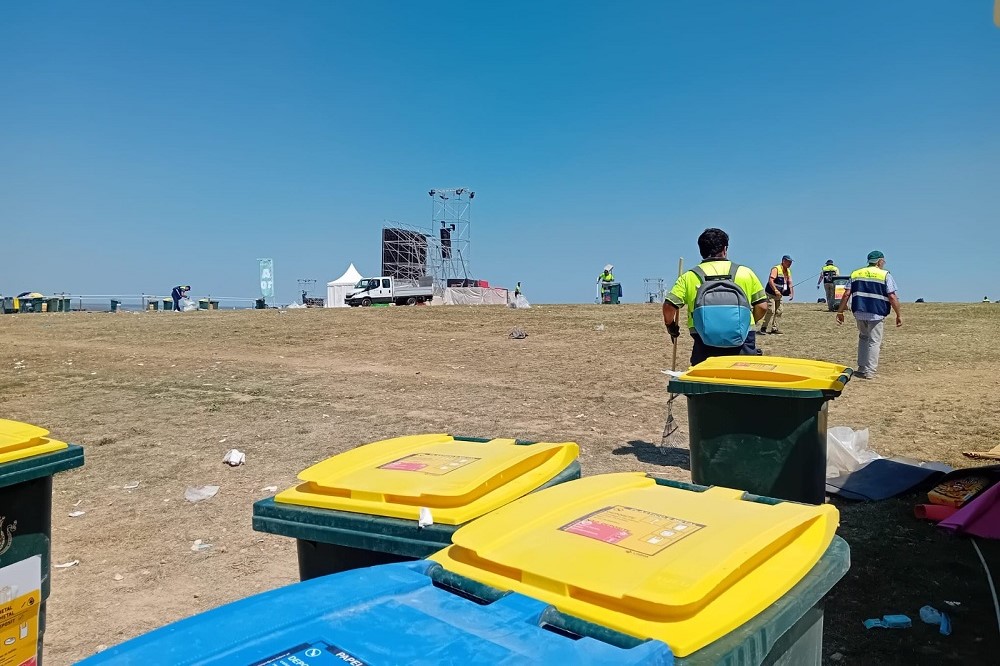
(776, 332)
(762, 332)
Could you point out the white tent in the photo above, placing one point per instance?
(337, 290)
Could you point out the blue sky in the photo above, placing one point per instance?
(147, 144)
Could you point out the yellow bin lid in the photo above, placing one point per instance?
(648, 558)
(457, 479)
(763, 375)
(23, 440)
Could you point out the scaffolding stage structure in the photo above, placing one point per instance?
(451, 233)
(655, 290)
(440, 252)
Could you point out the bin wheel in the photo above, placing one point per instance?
(366, 302)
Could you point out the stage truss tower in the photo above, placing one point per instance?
(451, 234)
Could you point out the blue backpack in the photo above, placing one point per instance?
(721, 311)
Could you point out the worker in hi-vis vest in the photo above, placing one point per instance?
(826, 275)
(872, 295)
(779, 284)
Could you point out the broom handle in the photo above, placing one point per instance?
(680, 271)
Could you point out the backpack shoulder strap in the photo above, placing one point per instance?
(733, 269)
(697, 270)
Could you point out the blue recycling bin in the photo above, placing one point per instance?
(403, 613)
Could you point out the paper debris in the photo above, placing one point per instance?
(76, 514)
(131, 485)
(235, 458)
(66, 565)
(200, 493)
(200, 546)
(119, 577)
(270, 489)
(425, 519)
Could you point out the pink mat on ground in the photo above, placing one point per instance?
(933, 512)
(980, 517)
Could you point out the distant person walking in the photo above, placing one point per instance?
(779, 285)
(826, 275)
(724, 300)
(872, 294)
(178, 293)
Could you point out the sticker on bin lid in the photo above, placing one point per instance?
(429, 463)
(23, 440)
(759, 366)
(317, 653)
(459, 479)
(641, 532)
(727, 557)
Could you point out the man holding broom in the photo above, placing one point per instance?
(724, 302)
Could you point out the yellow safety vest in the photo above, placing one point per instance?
(780, 280)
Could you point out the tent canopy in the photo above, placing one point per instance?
(351, 276)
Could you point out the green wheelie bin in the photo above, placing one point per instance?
(759, 423)
(401, 499)
(28, 460)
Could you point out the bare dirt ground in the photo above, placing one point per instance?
(159, 398)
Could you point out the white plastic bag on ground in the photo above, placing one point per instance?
(520, 302)
(187, 305)
(847, 450)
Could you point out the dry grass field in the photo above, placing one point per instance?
(159, 398)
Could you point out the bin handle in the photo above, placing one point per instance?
(680, 485)
(474, 591)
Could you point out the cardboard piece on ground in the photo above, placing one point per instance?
(885, 478)
(992, 454)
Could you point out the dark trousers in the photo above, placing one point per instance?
(177, 304)
(701, 351)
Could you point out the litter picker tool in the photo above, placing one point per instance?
(670, 429)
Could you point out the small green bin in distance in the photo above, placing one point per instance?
(759, 423)
(168, 304)
(28, 460)
(361, 508)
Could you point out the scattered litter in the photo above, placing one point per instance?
(931, 615)
(223, 440)
(200, 546)
(78, 502)
(199, 493)
(131, 485)
(119, 577)
(326, 416)
(847, 450)
(235, 458)
(889, 622)
(76, 514)
(672, 373)
(425, 519)
(66, 565)
(953, 604)
(581, 416)
(599, 327)
(270, 489)
(518, 333)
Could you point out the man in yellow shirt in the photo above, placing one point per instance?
(779, 285)
(826, 275)
(715, 274)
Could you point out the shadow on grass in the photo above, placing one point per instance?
(653, 454)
